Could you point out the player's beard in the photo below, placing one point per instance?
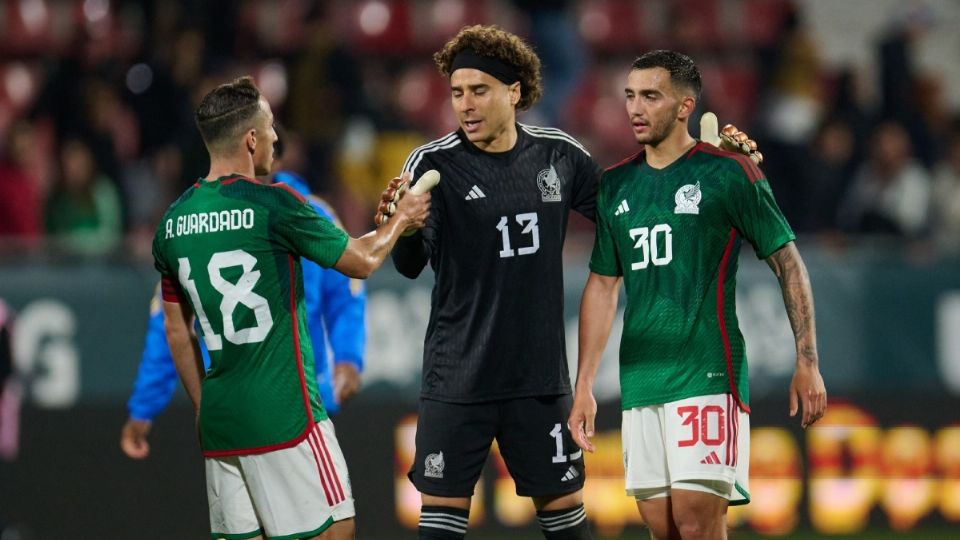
(659, 131)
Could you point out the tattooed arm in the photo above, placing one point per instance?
(807, 384)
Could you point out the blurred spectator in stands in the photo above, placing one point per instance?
(375, 148)
(827, 176)
(153, 182)
(83, 103)
(891, 190)
(899, 82)
(847, 105)
(20, 213)
(556, 38)
(945, 205)
(160, 88)
(791, 109)
(325, 98)
(83, 211)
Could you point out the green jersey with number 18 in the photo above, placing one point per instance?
(674, 235)
(231, 248)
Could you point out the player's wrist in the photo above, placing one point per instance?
(807, 361)
(584, 387)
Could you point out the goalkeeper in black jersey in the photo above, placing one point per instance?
(494, 364)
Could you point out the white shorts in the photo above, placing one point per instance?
(293, 492)
(700, 443)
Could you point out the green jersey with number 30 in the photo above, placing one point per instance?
(674, 235)
(231, 248)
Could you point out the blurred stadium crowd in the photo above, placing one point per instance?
(97, 99)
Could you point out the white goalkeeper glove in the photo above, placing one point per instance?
(730, 138)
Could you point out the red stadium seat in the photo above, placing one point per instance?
(761, 20)
(694, 24)
(433, 23)
(382, 27)
(612, 26)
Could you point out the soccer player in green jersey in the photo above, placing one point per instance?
(670, 221)
(229, 251)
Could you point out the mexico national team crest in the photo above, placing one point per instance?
(433, 466)
(688, 199)
(549, 183)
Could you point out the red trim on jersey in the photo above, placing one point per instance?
(289, 190)
(728, 356)
(748, 166)
(233, 178)
(170, 290)
(320, 468)
(229, 179)
(297, 356)
(624, 161)
(333, 469)
(693, 149)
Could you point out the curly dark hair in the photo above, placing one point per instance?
(226, 111)
(495, 42)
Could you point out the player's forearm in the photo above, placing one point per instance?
(185, 349)
(365, 254)
(598, 307)
(797, 299)
(189, 364)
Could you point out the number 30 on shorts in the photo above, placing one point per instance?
(707, 425)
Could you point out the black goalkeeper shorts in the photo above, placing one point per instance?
(453, 441)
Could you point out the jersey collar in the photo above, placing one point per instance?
(506, 156)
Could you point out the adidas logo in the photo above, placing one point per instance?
(475, 193)
(571, 474)
(711, 459)
(622, 208)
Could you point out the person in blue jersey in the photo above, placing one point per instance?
(335, 314)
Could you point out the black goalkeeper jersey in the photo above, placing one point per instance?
(495, 239)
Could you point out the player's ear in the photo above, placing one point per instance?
(514, 90)
(250, 140)
(687, 105)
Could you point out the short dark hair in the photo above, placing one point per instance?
(228, 110)
(683, 72)
(497, 43)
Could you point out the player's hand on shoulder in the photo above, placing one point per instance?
(388, 200)
(734, 140)
(730, 138)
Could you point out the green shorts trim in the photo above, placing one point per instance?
(308, 534)
(744, 493)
